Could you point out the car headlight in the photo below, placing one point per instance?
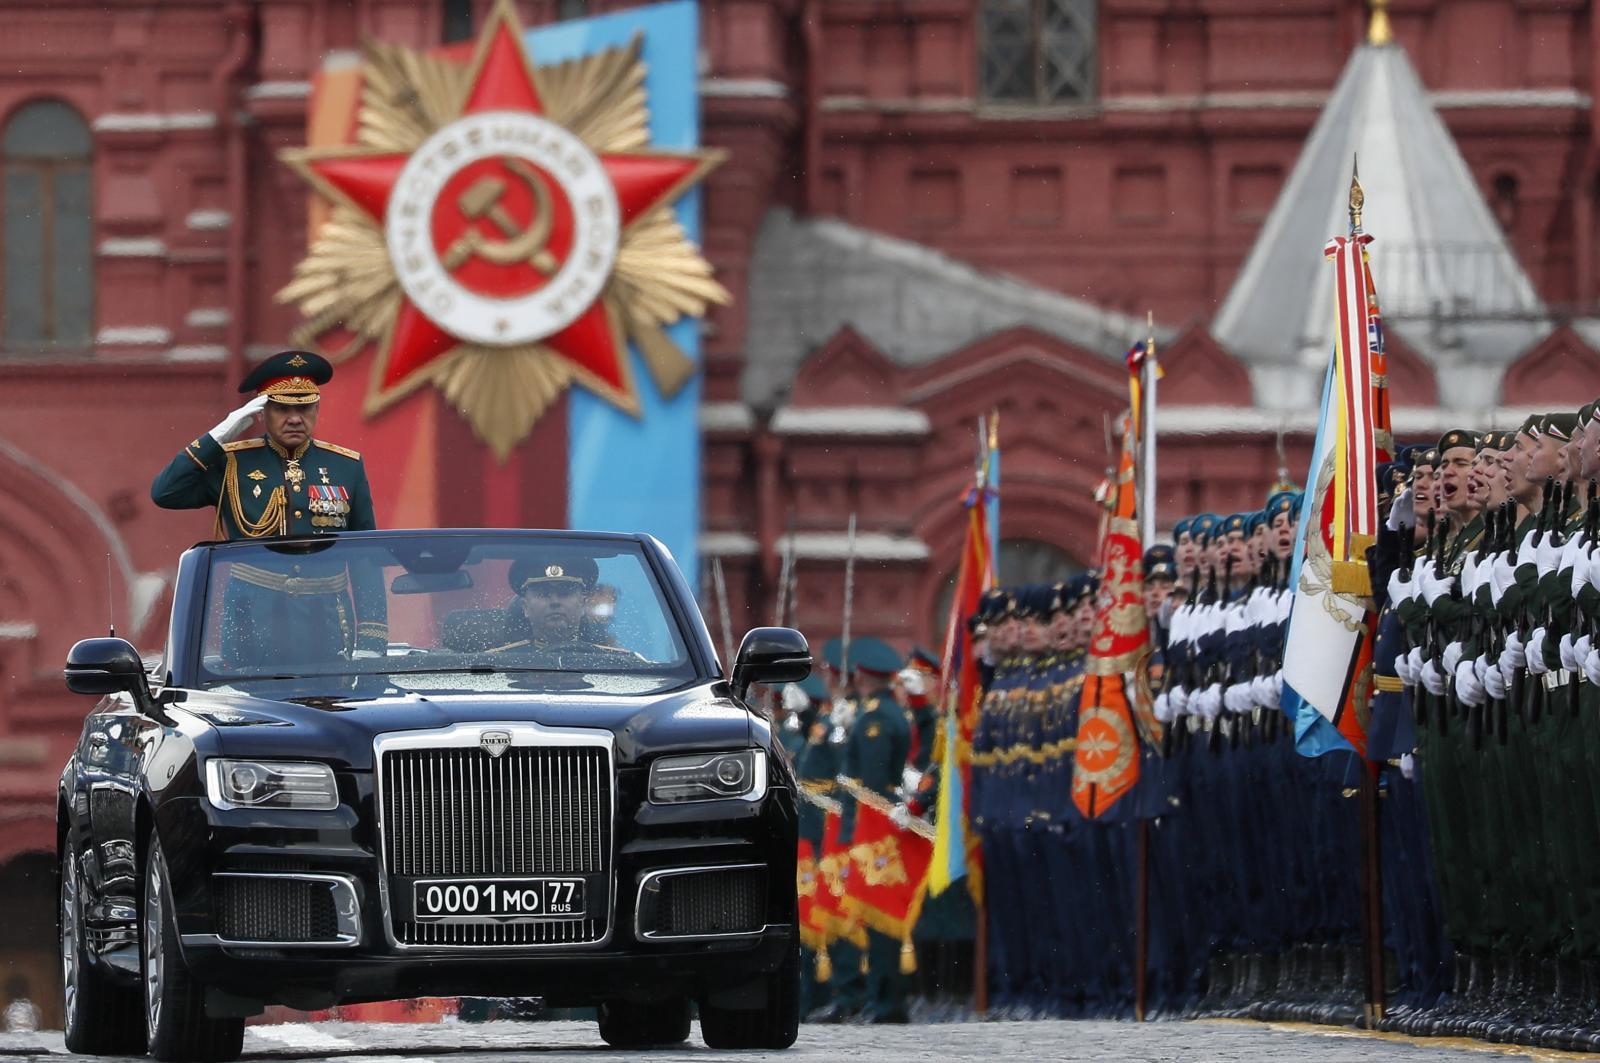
(292, 784)
(709, 777)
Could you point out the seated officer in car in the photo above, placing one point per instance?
(547, 618)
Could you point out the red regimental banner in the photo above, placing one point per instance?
(887, 867)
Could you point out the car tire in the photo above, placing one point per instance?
(102, 1017)
(624, 1024)
(175, 1020)
(772, 1027)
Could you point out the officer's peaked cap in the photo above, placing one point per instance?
(292, 378)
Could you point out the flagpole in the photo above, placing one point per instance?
(849, 602)
(1147, 522)
(1147, 527)
(1369, 810)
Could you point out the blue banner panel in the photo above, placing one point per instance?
(626, 473)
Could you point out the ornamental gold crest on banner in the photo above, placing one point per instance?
(502, 230)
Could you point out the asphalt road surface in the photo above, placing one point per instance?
(975, 1042)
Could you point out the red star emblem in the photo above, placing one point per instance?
(495, 201)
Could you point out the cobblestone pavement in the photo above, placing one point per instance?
(1156, 1042)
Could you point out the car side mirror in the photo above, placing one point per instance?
(106, 666)
(770, 655)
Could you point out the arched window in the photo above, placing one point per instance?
(1037, 51)
(47, 274)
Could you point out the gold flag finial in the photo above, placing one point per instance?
(1358, 198)
(1379, 31)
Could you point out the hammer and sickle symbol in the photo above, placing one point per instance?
(482, 200)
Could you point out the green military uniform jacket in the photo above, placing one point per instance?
(284, 613)
(260, 489)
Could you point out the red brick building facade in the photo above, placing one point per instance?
(148, 225)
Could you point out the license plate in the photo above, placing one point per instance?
(498, 898)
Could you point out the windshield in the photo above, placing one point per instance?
(442, 614)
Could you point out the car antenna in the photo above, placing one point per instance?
(111, 605)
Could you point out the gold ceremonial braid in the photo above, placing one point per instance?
(274, 518)
(1389, 684)
(292, 391)
(296, 585)
(883, 806)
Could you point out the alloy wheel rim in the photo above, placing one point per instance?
(69, 937)
(152, 946)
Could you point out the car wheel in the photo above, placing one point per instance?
(102, 1017)
(627, 1025)
(175, 1020)
(774, 1026)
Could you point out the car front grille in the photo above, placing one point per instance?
(705, 903)
(535, 810)
(251, 908)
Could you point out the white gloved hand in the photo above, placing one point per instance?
(1505, 574)
(1494, 682)
(1179, 700)
(1581, 648)
(1209, 701)
(1433, 587)
(1468, 687)
(1277, 689)
(1582, 569)
(1533, 654)
(1577, 548)
(1405, 669)
(900, 816)
(1569, 658)
(1469, 574)
(1549, 555)
(1236, 698)
(1432, 677)
(1163, 707)
(1408, 765)
(1401, 587)
(1262, 690)
(1414, 662)
(1452, 656)
(1402, 511)
(1513, 656)
(1594, 568)
(237, 421)
(1528, 549)
(1591, 666)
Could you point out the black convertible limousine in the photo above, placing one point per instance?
(380, 765)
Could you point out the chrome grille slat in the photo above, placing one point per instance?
(537, 810)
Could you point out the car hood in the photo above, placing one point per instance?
(343, 729)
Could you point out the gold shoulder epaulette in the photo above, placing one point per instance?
(244, 444)
(337, 449)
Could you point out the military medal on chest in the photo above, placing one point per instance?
(294, 474)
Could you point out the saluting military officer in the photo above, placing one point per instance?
(283, 482)
(281, 611)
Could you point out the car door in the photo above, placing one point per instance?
(109, 754)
